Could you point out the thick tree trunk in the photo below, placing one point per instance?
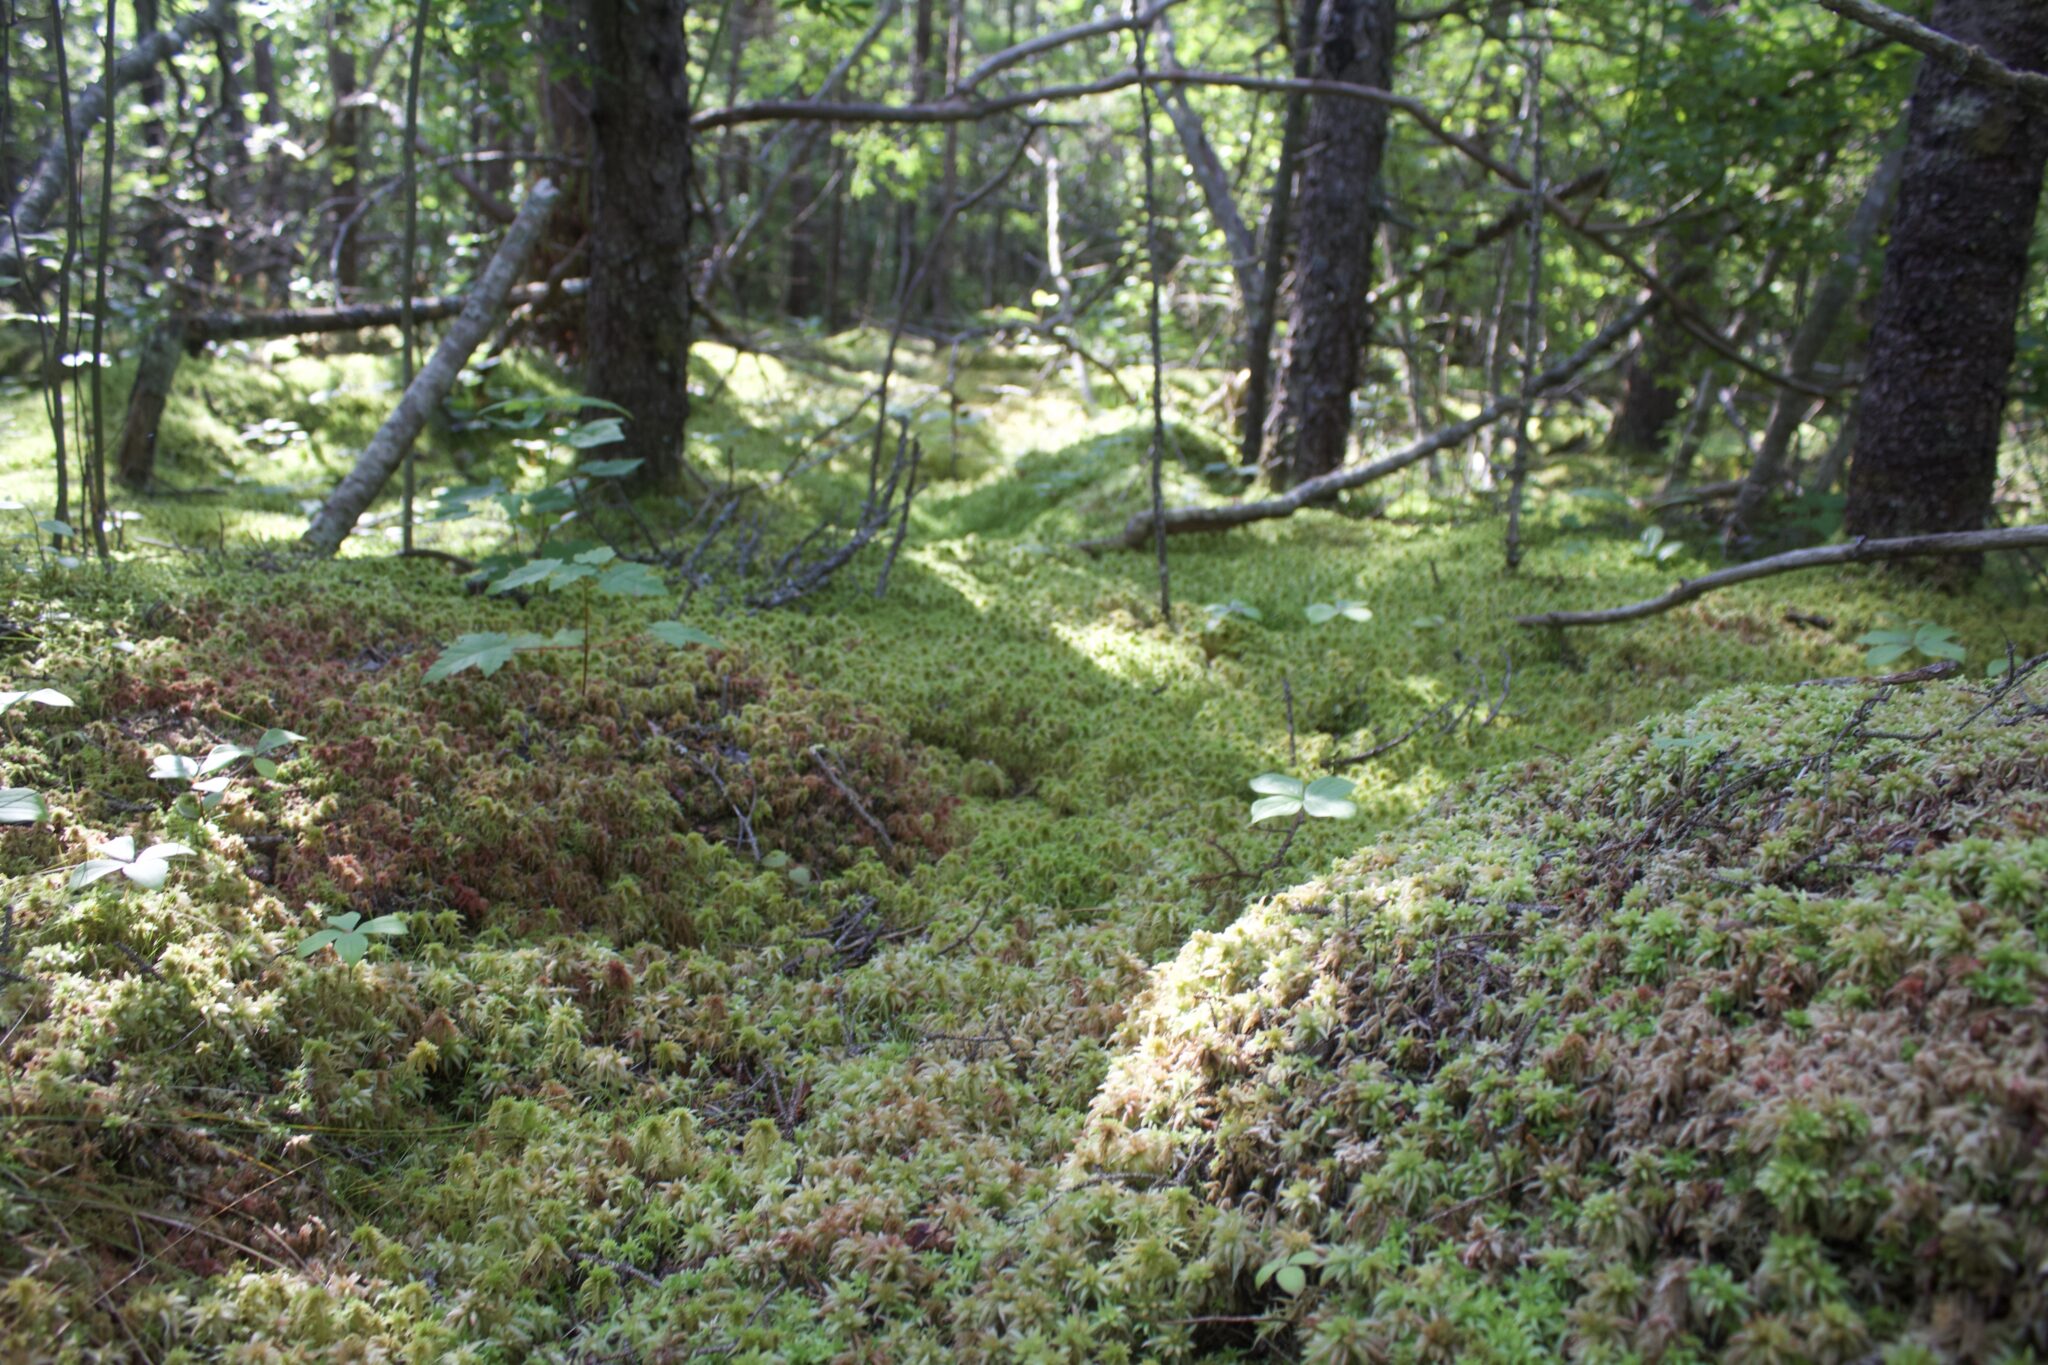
(1330, 323)
(1653, 389)
(1823, 311)
(637, 320)
(486, 302)
(155, 368)
(1261, 310)
(1926, 456)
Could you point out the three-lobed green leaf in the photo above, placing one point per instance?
(349, 935)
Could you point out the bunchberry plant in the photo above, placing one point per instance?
(349, 934)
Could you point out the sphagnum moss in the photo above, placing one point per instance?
(1637, 1053)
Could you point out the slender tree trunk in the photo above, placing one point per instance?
(1261, 312)
(1929, 417)
(1330, 323)
(637, 320)
(344, 132)
(1823, 311)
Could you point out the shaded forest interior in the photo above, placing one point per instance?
(924, 680)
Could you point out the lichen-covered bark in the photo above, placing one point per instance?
(1330, 321)
(1934, 391)
(637, 321)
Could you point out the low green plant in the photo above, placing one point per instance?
(1322, 613)
(210, 778)
(1926, 638)
(592, 574)
(1653, 546)
(1325, 798)
(1217, 614)
(149, 868)
(349, 934)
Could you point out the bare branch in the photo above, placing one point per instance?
(1820, 557)
(1222, 517)
(1967, 60)
(1046, 42)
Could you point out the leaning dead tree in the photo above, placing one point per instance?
(1855, 552)
(1138, 530)
(44, 189)
(167, 343)
(480, 311)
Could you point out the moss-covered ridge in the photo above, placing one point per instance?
(1723, 1041)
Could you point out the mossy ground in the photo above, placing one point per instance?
(1017, 1075)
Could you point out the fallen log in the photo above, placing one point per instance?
(1854, 552)
(486, 301)
(171, 339)
(1184, 520)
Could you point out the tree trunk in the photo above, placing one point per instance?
(1823, 311)
(344, 131)
(1260, 311)
(1330, 323)
(637, 321)
(1928, 420)
(155, 368)
(486, 301)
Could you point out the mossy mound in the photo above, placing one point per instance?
(1725, 1040)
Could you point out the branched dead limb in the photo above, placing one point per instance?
(1857, 551)
(1183, 520)
(839, 784)
(1444, 719)
(797, 577)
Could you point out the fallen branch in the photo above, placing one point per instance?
(1855, 552)
(1183, 520)
(338, 515)
(170, 339)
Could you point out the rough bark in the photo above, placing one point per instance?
(637, 320)
(1329, 323)
(1261, 310)
(155, 368)
(1934, 389)
(344, 133)
(1823, 311)
(486, 302)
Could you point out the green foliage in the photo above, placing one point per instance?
(1653, 546)
(147, 868)
(21, 806)
(1322, 613)
(1925, 638)
(1325, 798)
(349, 935)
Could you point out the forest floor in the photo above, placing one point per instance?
(902, 980)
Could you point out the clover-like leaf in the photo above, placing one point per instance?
(1267, 807)
(173, 768)
(387, 925)
(1322, 613)
(1292, 1279)
(273, 740)
(41, 696)
(1329, 798)
(317, 940)
(1278, 784)
(20, 806)
(223, 756)
(681, 636)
